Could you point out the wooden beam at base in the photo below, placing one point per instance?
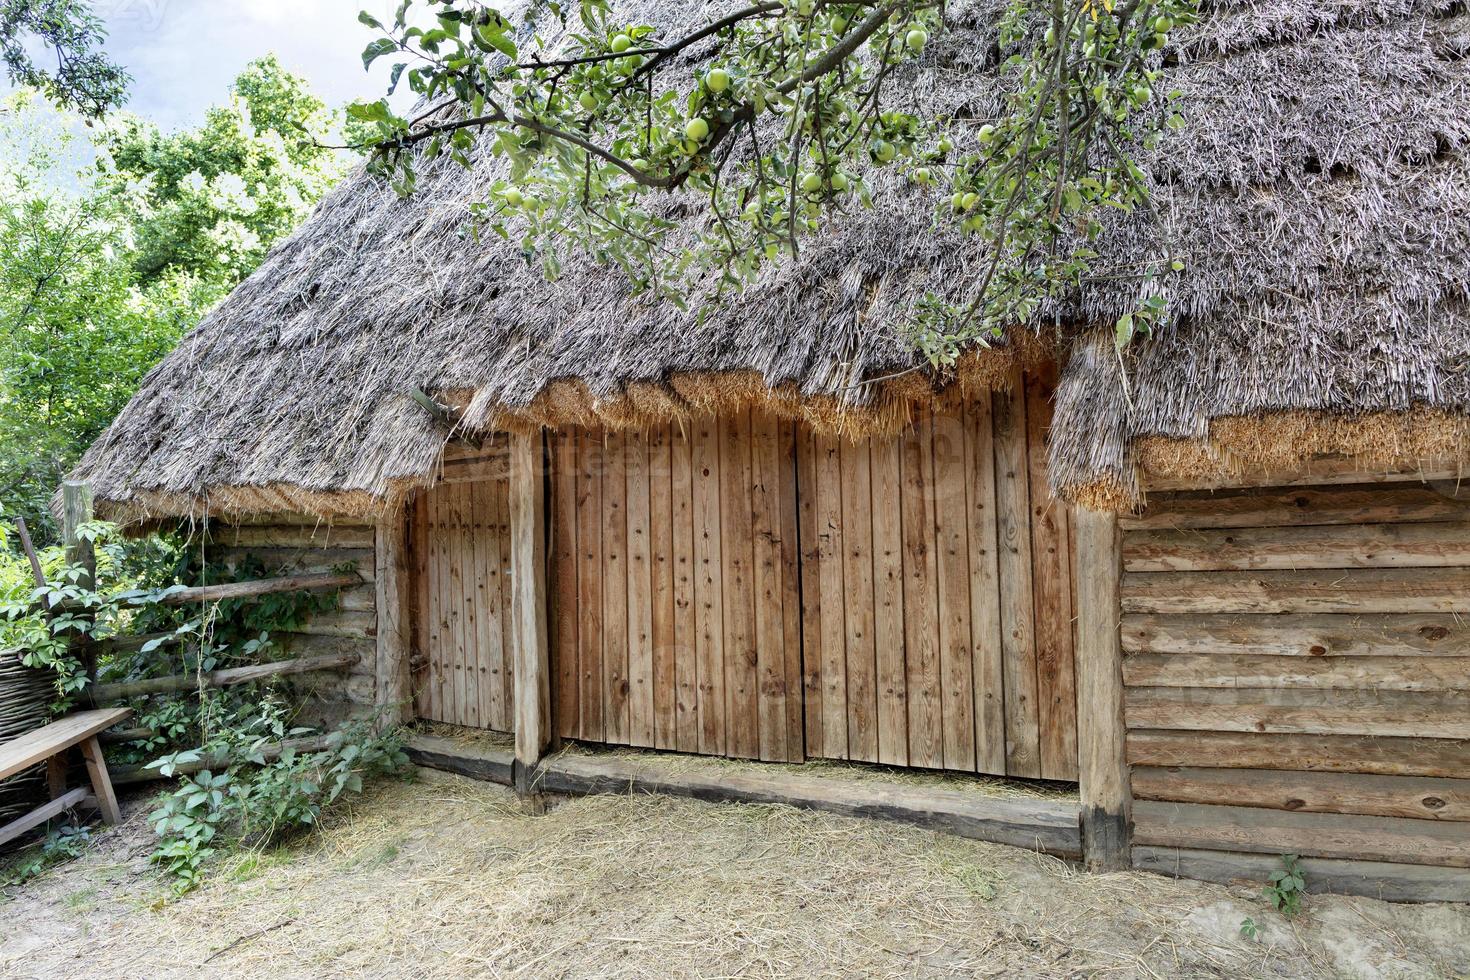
(491, 763)
(1049, 826)
(532, 670)
(1101, 737)
(1376, 879)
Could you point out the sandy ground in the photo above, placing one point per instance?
(447, 877)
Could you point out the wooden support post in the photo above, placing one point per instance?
(532, 713)
(394, 689)
(1106, 794)
(76, 510)
(101, 784)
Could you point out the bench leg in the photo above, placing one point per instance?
(56, 774)
(101, 784)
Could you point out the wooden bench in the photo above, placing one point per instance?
(49, 745)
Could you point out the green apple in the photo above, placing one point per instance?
(514, 197)
(811, 182)
(588, 101)
(839, 182)
(969, 200)
(717, 80)
(986, 134)
(620, 43)
(916, 39)
(884, 151)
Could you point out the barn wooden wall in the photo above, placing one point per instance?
(674, 620)
(1297, 670)
(460, 552)
(298, 543)
(937, 593)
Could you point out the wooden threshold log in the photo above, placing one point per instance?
(129, 775)
(491, 763)
(220, 678)
(1049, 826)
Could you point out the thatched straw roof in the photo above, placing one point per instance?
(1319, 193)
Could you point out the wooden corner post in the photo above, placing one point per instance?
(1107, 798)
(76, 510)
(528, 573)
(394, 685)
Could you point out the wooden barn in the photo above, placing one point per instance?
(1218, 580)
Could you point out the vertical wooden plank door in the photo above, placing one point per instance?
(461, 583)
(675, 604)
(937, 593)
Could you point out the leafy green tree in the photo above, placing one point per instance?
(217, 197)
(83, 78)
(102, 271)
(788, 104)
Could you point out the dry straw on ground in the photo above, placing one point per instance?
(451, 878)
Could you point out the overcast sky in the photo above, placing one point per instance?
(183, 54)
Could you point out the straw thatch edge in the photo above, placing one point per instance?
(1240, 445)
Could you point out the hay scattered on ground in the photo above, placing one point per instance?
(449, 877)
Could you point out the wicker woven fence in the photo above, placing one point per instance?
(24, 694)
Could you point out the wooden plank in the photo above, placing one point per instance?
(393, 687)
(812, 548)
(421, 623)
(737, 552)
(1382, 880)
(1018, 633)
(1101, 734)
(1266, 671)
(507, 599)
(590, 573)
(952, 591)
(1051, 557)
(827, 454)
(857, 574)
(528, 563)
(1367, 504)
(438, 613)
(1314, 753)
(1437, 545)
(888, 610)
(662, 560)
(476, 631)
(1430, 714)
(1414, 797)
(686, 625)
(640, 592)
(920, 594)
(566, 687)
(35, 747)
(709, 598)
(1328, 835)
(795, 737)
(766, 573)
(1324, 470)
(615, 626)
(987, 665)
(466, 691)
(494, 654)
(1361, 591)
(298, 536)
(72, 799)
(1286, 635)
(1049, 826)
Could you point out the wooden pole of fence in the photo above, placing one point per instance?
(1104, 786)
(30, 549)
(528, 573)
(76, 510)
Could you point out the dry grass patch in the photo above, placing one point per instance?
(447, 877)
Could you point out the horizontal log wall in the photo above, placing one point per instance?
(1297, 672)
(296, 543)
